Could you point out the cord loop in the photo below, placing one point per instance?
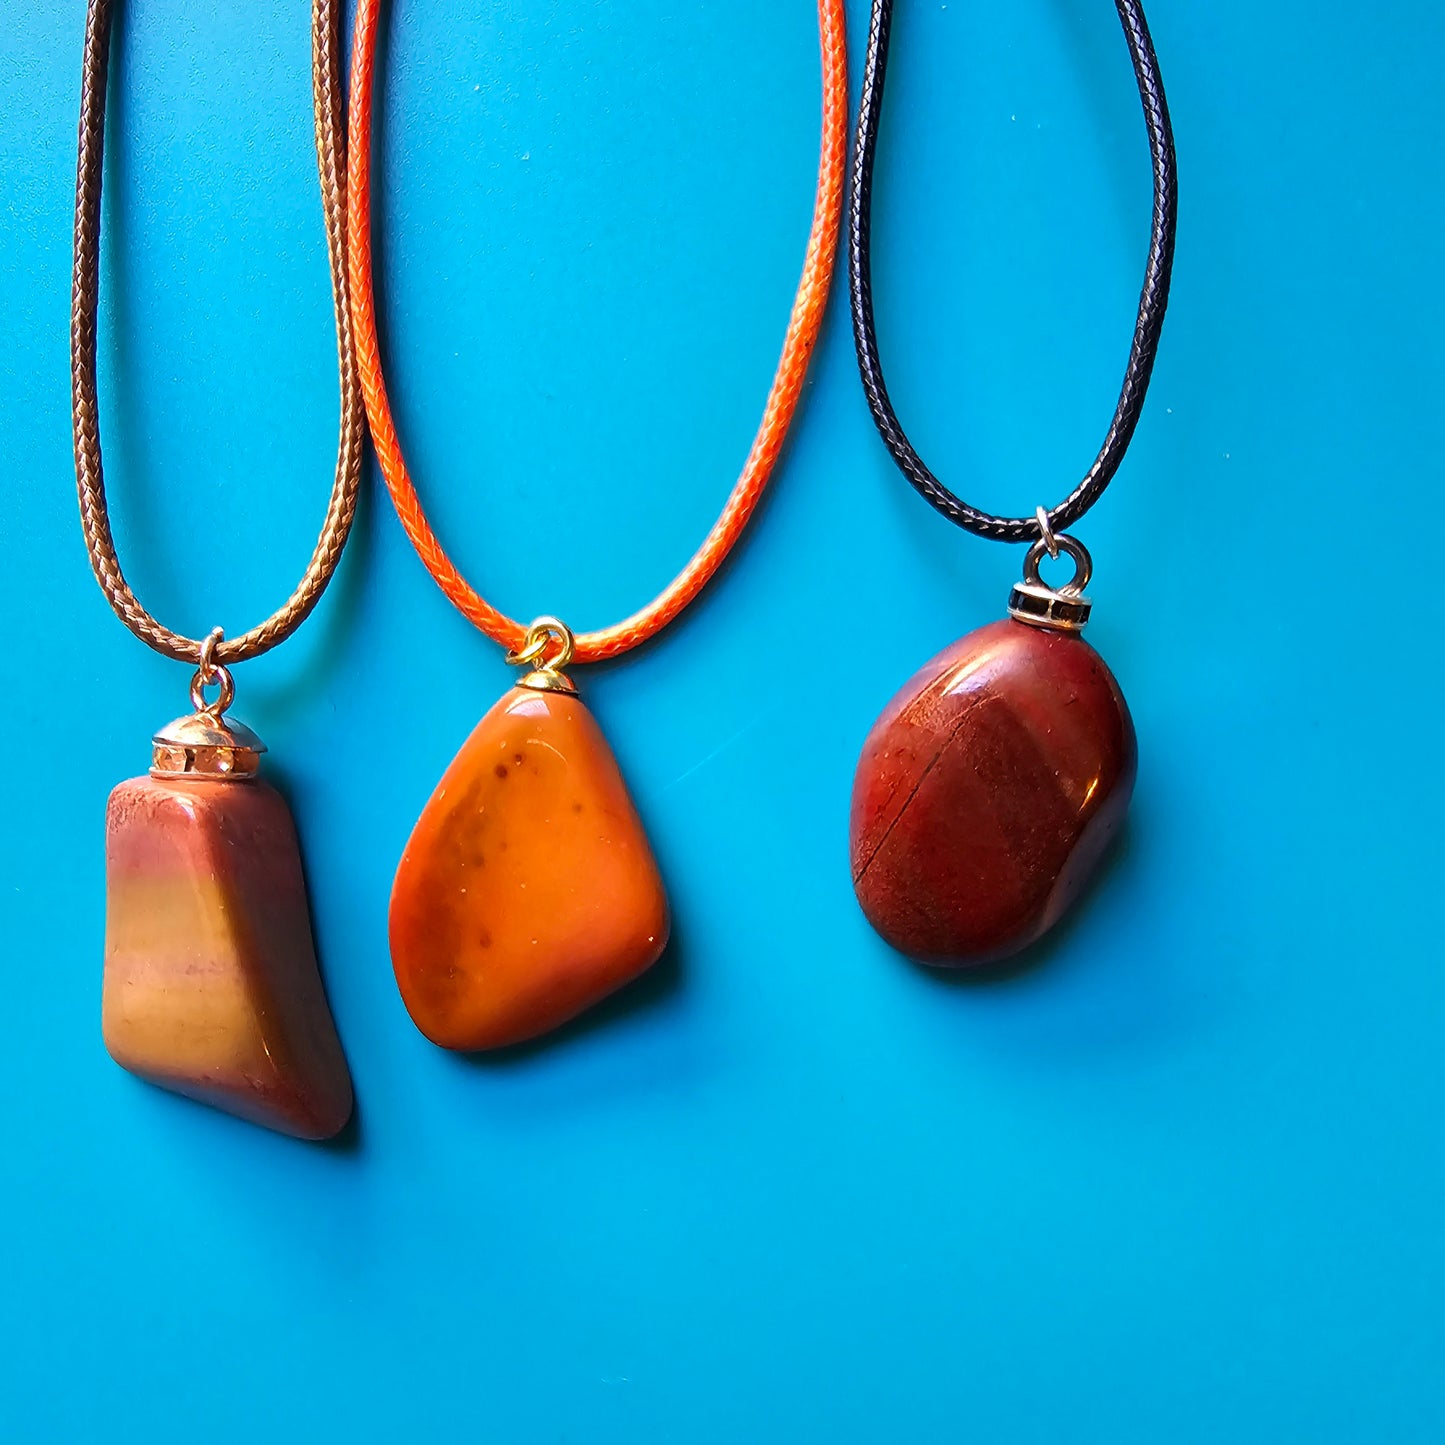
(1046, 532)
(798, 343)
(1153, 298)
(328, 102)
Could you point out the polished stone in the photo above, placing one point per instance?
(211, 984)
(527, 891)
(987, 793)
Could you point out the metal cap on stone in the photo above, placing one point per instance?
(206, 745)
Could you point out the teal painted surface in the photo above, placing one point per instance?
(1183, 1180)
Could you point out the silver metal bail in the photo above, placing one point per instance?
(1062, 609)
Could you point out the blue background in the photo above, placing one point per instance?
(1182, 1180)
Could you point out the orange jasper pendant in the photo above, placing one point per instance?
(527, 891)
(211, 985)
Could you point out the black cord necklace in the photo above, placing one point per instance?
(993, 783)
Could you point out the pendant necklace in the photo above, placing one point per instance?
(992, 784)
(528, 890)
(211, 984)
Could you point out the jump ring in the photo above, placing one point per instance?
(1046, 532)
(540, 635)
(209, 645)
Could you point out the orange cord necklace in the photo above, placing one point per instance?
(528, 890)
(802, 333)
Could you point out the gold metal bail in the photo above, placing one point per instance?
(206, 743)
(550, 645)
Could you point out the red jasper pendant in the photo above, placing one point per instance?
(993, 783)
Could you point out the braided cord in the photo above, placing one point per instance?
(802, 333)
(1153, 298)
(328, 97)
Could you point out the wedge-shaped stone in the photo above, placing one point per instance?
(527, 891)
(211, 983)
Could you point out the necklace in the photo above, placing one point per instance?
(528, 890)
(211, 984)
(992, 784)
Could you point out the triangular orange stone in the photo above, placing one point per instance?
(211, 984)
(527, 891)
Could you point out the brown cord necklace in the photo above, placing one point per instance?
(211, 984)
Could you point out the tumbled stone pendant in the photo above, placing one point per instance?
(527, 891)
(211, 984)
(992, 784)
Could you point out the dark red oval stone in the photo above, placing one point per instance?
(987, 793)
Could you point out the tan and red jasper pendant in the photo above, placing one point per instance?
(527, 891)
(989, 790)
(211, 983)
